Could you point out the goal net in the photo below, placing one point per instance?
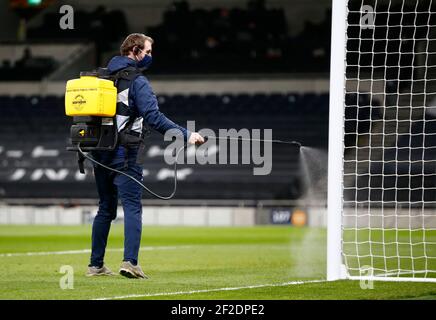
(383, 122)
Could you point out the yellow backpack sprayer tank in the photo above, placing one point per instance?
(91, 100)
(90, 96)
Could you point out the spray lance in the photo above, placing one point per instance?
(91, 101)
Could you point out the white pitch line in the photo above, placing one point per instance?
(210, 290)
(49, 253)
(82, 251)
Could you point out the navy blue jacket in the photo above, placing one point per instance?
(143, 100)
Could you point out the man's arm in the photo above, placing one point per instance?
(146, 102)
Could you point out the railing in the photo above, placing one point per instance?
(67, 202)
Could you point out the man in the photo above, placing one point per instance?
(136, 104)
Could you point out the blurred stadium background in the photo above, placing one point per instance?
(224, 64)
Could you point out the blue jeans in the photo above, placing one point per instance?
(110, 187)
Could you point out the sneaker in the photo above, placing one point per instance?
(96, 271)
(128, 270)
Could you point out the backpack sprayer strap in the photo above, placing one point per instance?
(127, 137)
(80, 161)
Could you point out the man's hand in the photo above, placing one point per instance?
(195, 138)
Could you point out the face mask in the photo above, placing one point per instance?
(145, 62)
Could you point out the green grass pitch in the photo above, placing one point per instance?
(184, 260)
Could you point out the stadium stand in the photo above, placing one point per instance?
(377, 51)
(254, 40)
(34, 129)
(364, 115)
(219, 40)
(98, 25)
(396, 113)
(28, 68)
(34, 134)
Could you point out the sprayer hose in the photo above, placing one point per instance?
(136, 180)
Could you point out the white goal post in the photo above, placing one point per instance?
(382, 141)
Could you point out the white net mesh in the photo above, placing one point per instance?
(389, 186)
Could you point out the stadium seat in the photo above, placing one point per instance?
(42, 120)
